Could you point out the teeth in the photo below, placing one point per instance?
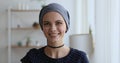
(53, 34)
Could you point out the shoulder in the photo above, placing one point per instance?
(32, 54)
(79, 55)
(35, 51)
(78, 52)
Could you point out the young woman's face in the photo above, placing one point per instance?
(54, 27)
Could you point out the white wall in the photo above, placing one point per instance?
(104, 17)
(115, 31)
(85, 11)
(107, 31)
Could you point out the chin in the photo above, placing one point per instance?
(55, 40)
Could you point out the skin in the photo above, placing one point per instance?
(54, 28)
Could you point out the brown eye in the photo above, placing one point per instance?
(58, 23)
(46, 23)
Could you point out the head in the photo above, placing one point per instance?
(56, 8)
(54, 21)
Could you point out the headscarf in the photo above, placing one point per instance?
(57, 8)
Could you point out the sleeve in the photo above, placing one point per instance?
(27, 58)
(85, 58)
(81, 56)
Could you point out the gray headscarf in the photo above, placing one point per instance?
(57, 8)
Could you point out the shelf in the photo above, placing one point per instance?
(15, 46)
(33, 10)
(27, 28)
(16, 31)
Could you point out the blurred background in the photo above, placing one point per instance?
(95, 28)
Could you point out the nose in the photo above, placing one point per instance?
(53, 28)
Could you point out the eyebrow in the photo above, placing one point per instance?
(55, 21)
(45, 21)
(60, 20)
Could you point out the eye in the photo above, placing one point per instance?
(46, 23)
(59, 23)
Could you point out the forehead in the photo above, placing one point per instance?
(53, 15)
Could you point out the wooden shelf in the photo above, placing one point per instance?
(27, 28)
(15, 46)
(33, 10)
(15, 15)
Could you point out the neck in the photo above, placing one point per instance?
(55, 46)
(57, 52)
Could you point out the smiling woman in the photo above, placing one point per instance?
(54, 28)
(54, 21)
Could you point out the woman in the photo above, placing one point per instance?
(54, 21)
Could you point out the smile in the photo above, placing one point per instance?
(53, 34)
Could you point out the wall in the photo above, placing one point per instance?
(104, 16)
(85, 12)
(107, 13)
(4, 4)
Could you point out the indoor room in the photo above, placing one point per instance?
(94, 28)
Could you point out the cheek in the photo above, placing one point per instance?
(63, 29)
(45, 30)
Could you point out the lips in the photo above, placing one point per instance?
(53, 34)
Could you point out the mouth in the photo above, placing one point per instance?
(53, 34)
